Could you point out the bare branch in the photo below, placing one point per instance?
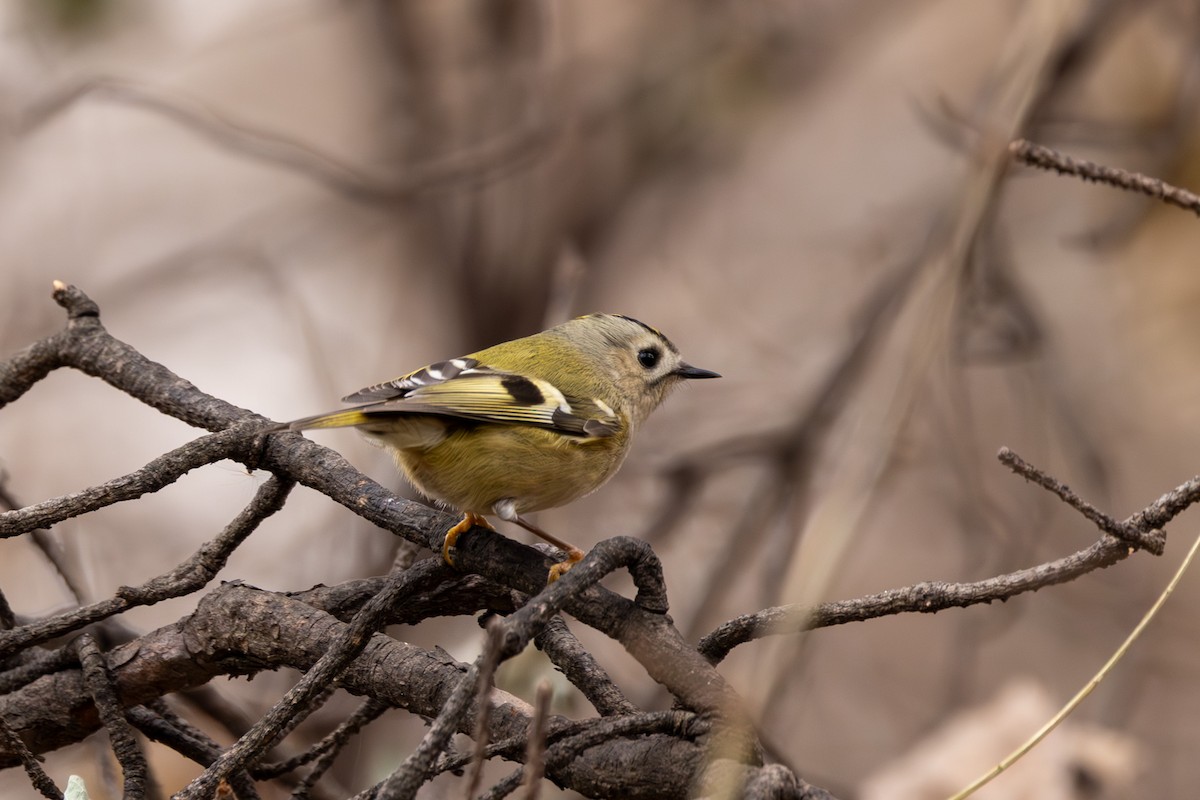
(483, 704)
(535, 746)
(582, 669)
(160, 724)
(135, 773)
(190, 576)
(1042, 157)
(11, 742)
(930, 597)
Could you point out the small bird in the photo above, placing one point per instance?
(521, 426)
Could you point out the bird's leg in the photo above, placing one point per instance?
(574, 554)
(469, 521)
(507, 510)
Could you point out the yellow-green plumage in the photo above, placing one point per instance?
(509, 461)
(524, 425)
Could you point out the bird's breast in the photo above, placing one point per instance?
(473, 469)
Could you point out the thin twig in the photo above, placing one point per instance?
(925, 598)
(369, 711)
(1152, 540)
(186, 578)
(930, 597)
(483, 704)
(135, 773)
(1042, 157)
(582, 669)
(535, 748)
(37, 776)
(329, 747)
(159, 723)
(157, 474)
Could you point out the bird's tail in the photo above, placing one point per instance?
(397, 429)
(349, 418)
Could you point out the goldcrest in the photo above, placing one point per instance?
(522, 426)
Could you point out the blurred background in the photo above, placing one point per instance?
(284, 201)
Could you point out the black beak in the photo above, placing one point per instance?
(686, 370)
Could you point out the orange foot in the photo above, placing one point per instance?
(469, 521)
(574, 556)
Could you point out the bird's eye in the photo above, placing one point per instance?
(648, 357)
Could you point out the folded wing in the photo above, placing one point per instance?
(462, 388)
